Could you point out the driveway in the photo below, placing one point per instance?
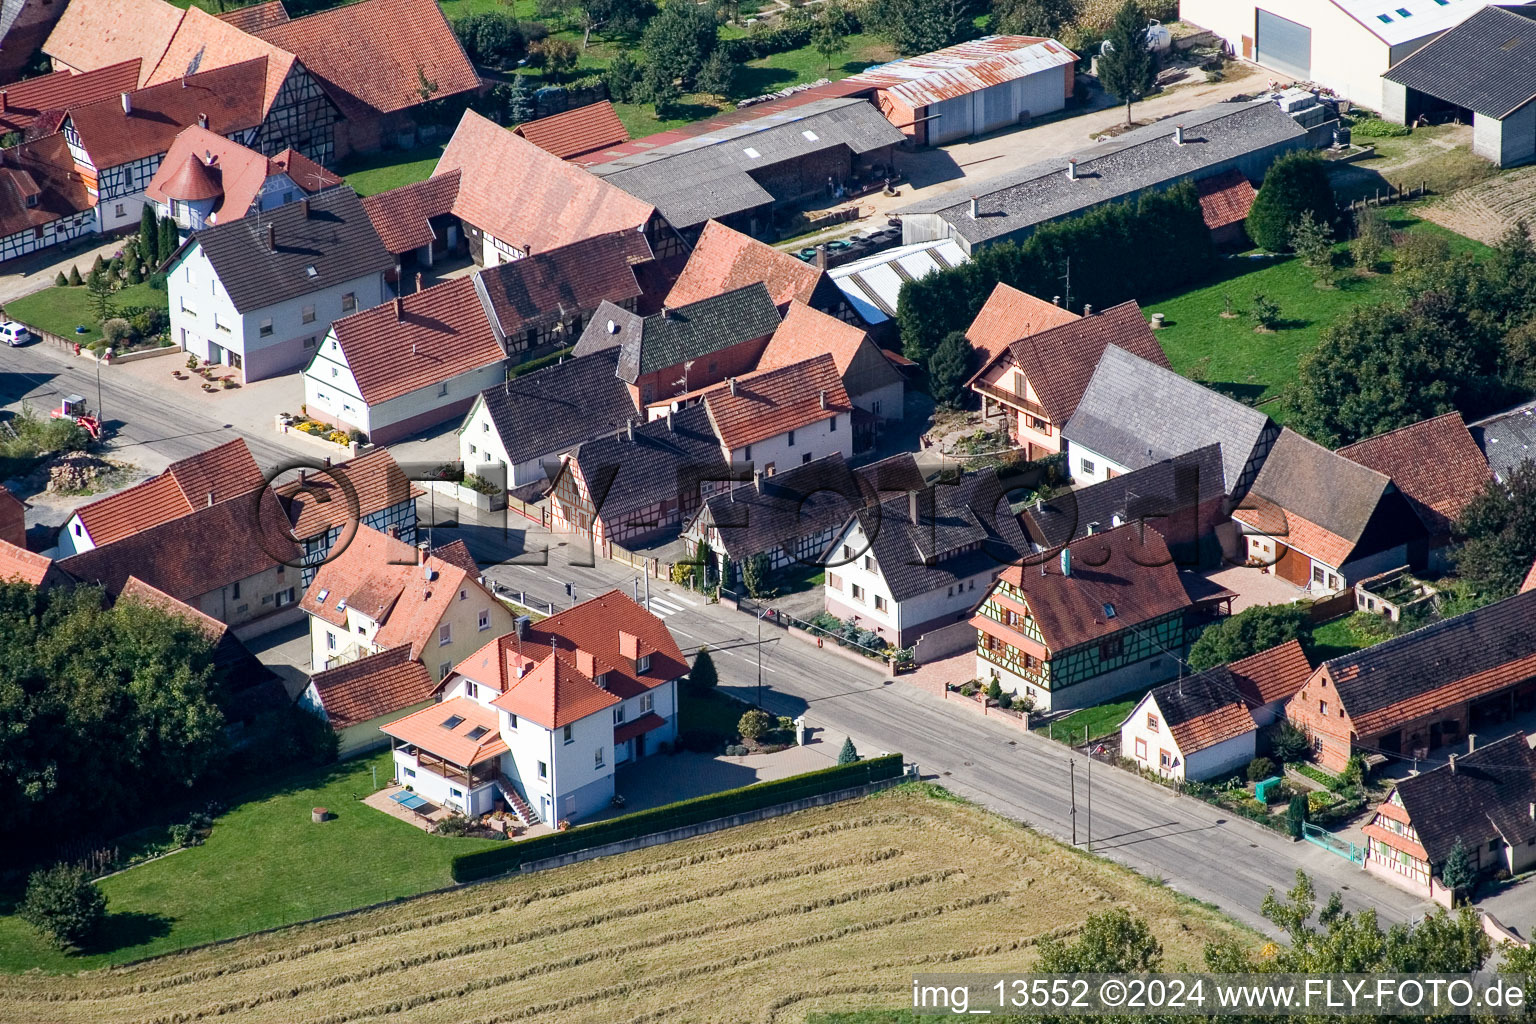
(664, 779)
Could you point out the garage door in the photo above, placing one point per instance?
(1284, 45)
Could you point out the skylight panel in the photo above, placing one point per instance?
(754, 154)
(477, 732)
(453, 722)
(1109, 610)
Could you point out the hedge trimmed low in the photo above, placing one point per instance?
(500, 860)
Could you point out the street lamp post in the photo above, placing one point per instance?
(760, 657)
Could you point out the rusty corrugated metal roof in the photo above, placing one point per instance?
(965, 68)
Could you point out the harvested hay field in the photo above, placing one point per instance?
(1486, 211)
(824, 910)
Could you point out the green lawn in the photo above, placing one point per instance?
(372, 173)
(1228, 356)
(713, 712)
(265, 864)
(61, 310)
(1094, 722)
(1343, 636)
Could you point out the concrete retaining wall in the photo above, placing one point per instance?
(942, 642)
(716, 825)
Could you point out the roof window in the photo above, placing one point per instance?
(810, 136)
(477, 732)
(341, 605)
(1109, 610)
(323, 595)
(754, 154)
(1403, 12)
(453, 722)
(311, 271)
(1385, 19)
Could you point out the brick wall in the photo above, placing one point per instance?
(1330, 729)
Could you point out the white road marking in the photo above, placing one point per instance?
(661, 607)
(680, 597)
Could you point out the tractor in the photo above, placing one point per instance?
(74, 408)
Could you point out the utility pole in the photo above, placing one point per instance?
(100, 417)
(1072, 765)
(1067, 277)
(1090, 802)
(760, 657)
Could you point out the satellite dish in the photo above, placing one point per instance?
(613, 328)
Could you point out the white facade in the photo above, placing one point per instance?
(277, 190)
(888, 402)
(480, 444)
(264, 342)
(1146, 739)
(331, 394)
(856, 588)
(65, 229)
(797, 447)
(1350, 45)
(1086, 466)
(471, 618)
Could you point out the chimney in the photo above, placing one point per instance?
(974, 211)
(1178, 135)
(202, 120)
(302, 474)
(421, 553)
(304, 207)
(912, 507)
(821, 257)
(1072, 169)
(1087, 309)
(669, 419)
(527, 249)
(733, 386)
(272, 238)
(823, 398)
(1066, 561)
(629, 428)
(327, 461)
(1056, 299)
(666, 314)
(127, 103)
(418, 280)
(629, 646)
(1453, 764)
(399, 310)
(1471, 742)
(5, 103)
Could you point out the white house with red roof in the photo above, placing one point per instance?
(541, 716)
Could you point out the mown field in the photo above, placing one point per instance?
(828, 910)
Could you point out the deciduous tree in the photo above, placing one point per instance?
(678, 41)
(1498, 533)
(1296, 183)
(63, 904)
(1250, 631)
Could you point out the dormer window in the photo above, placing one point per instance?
(602, 680)
(323, 595)
(32, 201)
(643, 664)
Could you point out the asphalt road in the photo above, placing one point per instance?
(1195, 848)
(41, 376)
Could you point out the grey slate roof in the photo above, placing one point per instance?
(776, 511)
(1507, 439)
(674, 336)
(1323, 487)
(1198, 695)
(705, 176)
(1489, 794)
(1487, 63)
(665, 460)
(1436, 655)
(963, 528)
(1137, 413)
(1139, 159)
(1172, 487)
(552, 410)
(331, 233)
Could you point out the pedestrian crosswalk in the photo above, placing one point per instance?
(664, 608)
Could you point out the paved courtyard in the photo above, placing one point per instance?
(1254, 586)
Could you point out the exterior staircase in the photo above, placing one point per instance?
(516, 801)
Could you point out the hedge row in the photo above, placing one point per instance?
(499, 860)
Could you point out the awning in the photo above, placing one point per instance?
(639, 727)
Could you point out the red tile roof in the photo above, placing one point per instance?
(205, 165)
(378, 576)
(577, 132)
(431, 730)
(197, 553)
(724, 259)
(1059, 361)
(93, 34)
(770, 402)
(1127, 569)
(203, 42)
(21, 103)
(257, 16)
(554, 693)
(367, 69)
(380, 684)
(348, 491)
(1225, 198)
(417, 341)
(559, 284)
(1293, 530)
(1435, 462)
(806, 333)
(219, 474)
(557, 202)
(401, 215)
(1530, 580)
(17, 563)
(1273, 674)
(230, 96)
(1213, 727)
(136, 589)
(45, 171)
(1009, 315)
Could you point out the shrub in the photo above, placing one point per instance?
(492, 39)
(736, 750)
(75, 279)
(1260, 768)
(63, 904)
(1296, 183)
(1249, 632)
(849, 754)
(454, 825)
(1376, 128)
(1296, 814)
(1024, 703)
(1419, 250)
(1263, 311)
(60, 280)
(622, 76)
(1318, 800)
(703, 677)
(1289, 743)
(754, 724)
(995, 689)
(117, 331)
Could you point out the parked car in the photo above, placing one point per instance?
(15, 334)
